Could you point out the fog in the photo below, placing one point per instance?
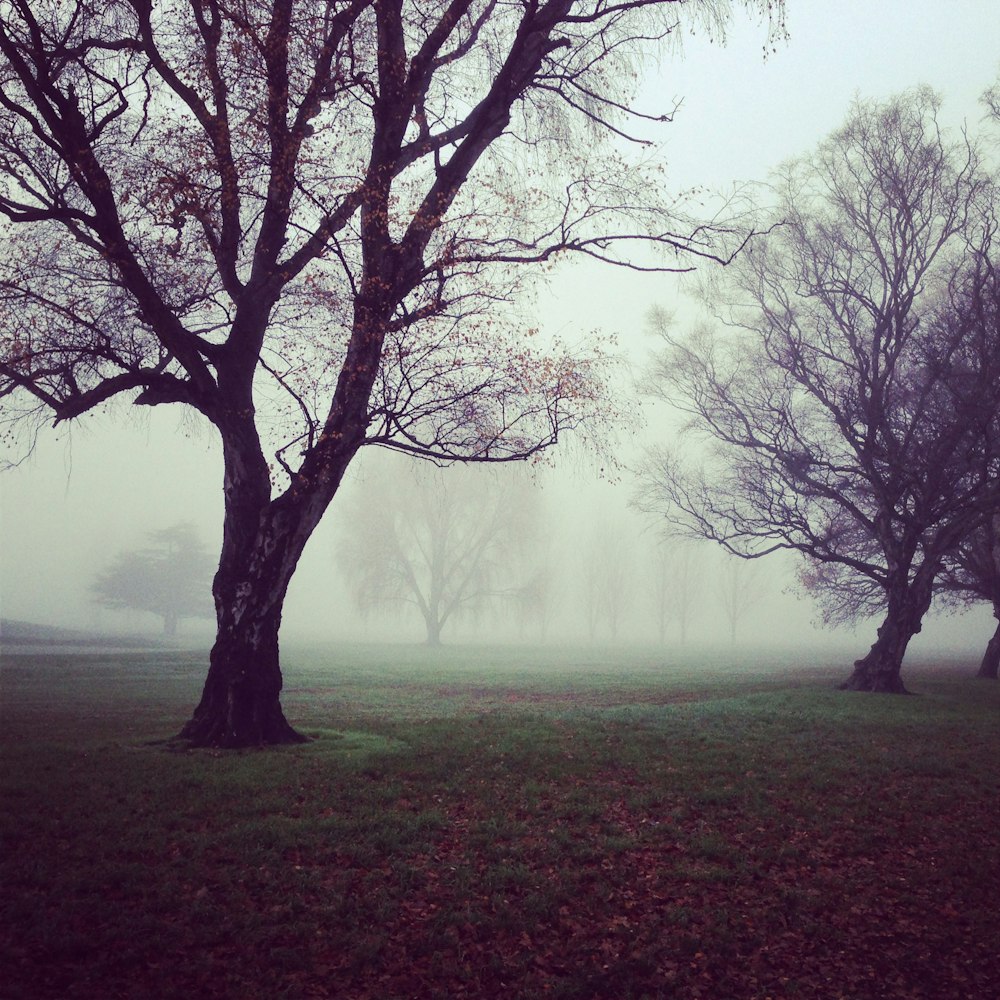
(91, 491)
(83, 498)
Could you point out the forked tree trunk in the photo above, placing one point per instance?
(988, 669)
(240, 704)
(879, 670)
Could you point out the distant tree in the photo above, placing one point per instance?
(676, 582)
(618, 583)
(307, 222)
(739, 589)
(171, 578)
(607, 577)
(437, 541)
(852, 410)
(535, 591)
(660, 590)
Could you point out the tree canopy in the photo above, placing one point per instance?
(848, 388)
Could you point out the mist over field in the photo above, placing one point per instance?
(77, 503)
(478, 482)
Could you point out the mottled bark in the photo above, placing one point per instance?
(240, 704)
(262, 542)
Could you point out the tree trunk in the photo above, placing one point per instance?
(262, 541)
(240, 704)
(433, 630)
(879, 670)
(991, 658)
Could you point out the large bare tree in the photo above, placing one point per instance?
(302, 220)
(849, 392)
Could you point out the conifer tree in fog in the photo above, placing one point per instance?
(171, 578)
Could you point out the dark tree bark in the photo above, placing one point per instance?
(240, 704)
(879, 670)
(990, 665)
(972, 573)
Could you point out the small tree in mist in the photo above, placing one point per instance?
(537, 587)
(606, 567)
(676, 583)
(739, 589)
(306, 221)
(171, 578)
(849, 391)
(434, 540)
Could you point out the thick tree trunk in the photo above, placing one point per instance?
(262, 542)
(879, 670)
(240, 705)
(433, 631)
(988, 669)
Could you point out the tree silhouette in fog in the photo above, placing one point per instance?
(171, 577)
(972, 574)
(848, 390)
(442, 542)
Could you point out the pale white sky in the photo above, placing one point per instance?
(98, 489)
(742, 115)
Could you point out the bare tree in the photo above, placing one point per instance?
(437, 541)
(301, 219)
(739, 590)
(614, 554)
(606, 570)
(536, 589)
(851, 402)
(972, 573)
(661, 590)
(676, 585)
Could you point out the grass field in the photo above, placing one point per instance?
(493, 822)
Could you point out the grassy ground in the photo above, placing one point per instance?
(501, 822)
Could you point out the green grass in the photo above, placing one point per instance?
(500, 821)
